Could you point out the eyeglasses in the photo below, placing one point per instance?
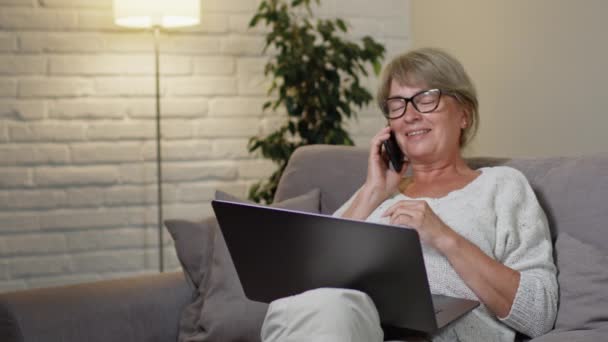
(425, 101)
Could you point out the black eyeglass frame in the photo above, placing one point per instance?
(410, 99)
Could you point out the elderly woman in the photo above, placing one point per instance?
(484, 235)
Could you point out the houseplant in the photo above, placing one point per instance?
(315, 73)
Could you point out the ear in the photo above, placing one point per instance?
(464, 120)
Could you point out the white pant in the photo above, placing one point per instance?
(339, 315)
(323, 315)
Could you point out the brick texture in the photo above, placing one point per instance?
(77, 128)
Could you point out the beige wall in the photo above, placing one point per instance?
(540, 68)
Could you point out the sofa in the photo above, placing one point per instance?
(152, 308)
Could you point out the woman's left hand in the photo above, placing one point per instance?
(420, 216)
(494, 283)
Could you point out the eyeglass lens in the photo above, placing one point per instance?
(424, 102)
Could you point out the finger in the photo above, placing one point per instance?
(404, 204)
(406, 165)
(376, 143)
(401, 219)
(382, 134)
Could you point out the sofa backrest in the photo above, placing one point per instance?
(337, 170)
(572, 190)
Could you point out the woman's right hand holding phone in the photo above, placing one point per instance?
(381, 181)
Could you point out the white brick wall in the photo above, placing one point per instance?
(77, 110)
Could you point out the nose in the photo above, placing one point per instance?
(411, 114)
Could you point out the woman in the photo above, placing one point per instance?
(484, 235)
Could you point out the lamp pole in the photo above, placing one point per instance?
(159, 172)
(157, 14)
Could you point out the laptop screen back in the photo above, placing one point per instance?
(279, 253)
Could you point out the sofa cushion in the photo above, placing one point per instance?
(583, 280)
(219, 310)
(309, 202)
(337, 170)
(571, 190)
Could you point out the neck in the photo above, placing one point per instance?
(445, 169)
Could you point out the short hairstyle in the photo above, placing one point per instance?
(433, 68)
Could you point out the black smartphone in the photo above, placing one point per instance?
(394, 152)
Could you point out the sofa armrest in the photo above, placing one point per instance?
(143, 308)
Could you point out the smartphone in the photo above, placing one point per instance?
(393, 151)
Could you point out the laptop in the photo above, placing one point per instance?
(279, 253)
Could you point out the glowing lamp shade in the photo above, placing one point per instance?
(163, 13)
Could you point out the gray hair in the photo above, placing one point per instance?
(434, 68)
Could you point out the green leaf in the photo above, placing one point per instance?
(314, 76)
(341, 25)
(377, 67)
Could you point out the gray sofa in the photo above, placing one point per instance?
(572, 190)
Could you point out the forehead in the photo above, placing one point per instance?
(405, 89)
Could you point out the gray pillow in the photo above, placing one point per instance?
(219, 310)
(309, 202)
(583, 282)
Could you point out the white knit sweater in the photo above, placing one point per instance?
(499, 213)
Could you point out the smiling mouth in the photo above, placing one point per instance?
(418, 132)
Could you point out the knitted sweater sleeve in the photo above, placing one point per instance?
(523, 243)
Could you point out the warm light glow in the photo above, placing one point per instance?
(164, 13)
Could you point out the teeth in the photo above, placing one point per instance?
(422, 131)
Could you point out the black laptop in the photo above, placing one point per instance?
(279, 253)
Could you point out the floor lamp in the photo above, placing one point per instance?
(157, 15)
